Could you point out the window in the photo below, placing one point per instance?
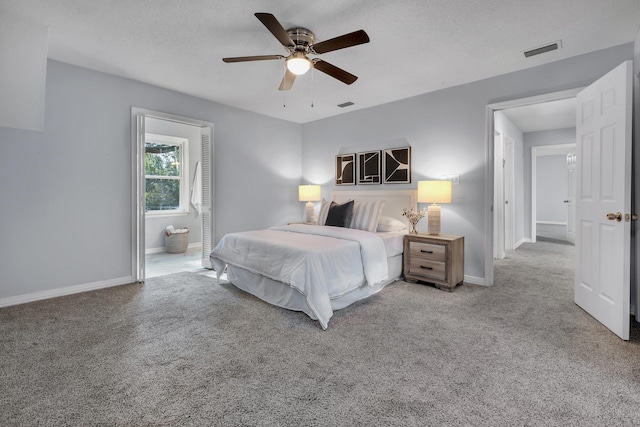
(166, 162)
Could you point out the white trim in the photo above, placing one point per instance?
(183, 143)
(67, 290)
(138, 216)
(489, 165)
(150, 251)
(552, 222)
(474, 280)
(538, 99)
(521, 241)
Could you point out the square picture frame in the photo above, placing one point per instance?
(370, 167)
(346, 169)
(397, 165)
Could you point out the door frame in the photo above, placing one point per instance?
(490, 166)
(138, 115)
(537, 151)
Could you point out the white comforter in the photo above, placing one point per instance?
(320, 262)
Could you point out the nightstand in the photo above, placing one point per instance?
(437, 259)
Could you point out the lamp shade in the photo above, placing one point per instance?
(298, 64)
(309, 193)
(434, 191)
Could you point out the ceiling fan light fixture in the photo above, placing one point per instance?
(298, 63)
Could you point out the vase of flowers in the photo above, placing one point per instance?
(414, 216)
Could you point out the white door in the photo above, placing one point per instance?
(206, 175)
(509, 203)
(498, 202)
(603, 142)
(571, 197)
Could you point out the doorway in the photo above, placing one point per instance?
(553, 191)
(190, 141)
(522, 209)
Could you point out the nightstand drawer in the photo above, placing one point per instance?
(427, 251)
(428, 269)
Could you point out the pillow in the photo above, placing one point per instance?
(324, 211)
(366, 215)
(386, 223)
(340, 215)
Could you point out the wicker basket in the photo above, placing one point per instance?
(176, 243)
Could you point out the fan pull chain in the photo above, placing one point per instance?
(284, 92)
(312, 81)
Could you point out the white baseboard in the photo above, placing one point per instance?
(521, 241)
(67, 290)
(474, 280)
(164, 249)
(551, 223)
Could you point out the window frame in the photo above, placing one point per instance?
(183, 143)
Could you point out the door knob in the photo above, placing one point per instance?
(633, 217)
(616, 216)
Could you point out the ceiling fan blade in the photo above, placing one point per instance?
(340, 42)
(333, 71)
(276, 28)
(287, 80)
(252, 58)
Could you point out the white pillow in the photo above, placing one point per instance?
(386, 223)
(366, 215)
(324, 212)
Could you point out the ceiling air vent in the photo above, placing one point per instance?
(548, 48)
(345, 104)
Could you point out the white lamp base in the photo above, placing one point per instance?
(433, 213)
(310, 206)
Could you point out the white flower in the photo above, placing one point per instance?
(413, 215)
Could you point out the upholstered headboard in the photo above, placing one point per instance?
(395, 200)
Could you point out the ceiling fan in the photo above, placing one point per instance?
(299, 43)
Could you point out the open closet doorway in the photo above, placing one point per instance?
(173, 198)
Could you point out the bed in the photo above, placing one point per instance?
(318, 269)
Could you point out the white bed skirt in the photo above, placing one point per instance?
(282, 295)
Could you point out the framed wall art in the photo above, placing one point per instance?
(397, 165)
(346, 169)
(370, 167)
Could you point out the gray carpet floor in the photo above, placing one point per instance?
(182, 350)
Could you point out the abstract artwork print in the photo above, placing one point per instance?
(397, 165)
(345, 169)
(370, 167)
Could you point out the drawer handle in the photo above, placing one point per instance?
(426, 252)
(426, 268)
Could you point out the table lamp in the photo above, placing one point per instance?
(434, 192)
(309, 194)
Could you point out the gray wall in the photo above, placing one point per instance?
(537, 139)
(447, 131)
(155, 225)
(551, 189)
(66, 192)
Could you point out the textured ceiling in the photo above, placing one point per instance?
(417, 46)
(544, 116)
